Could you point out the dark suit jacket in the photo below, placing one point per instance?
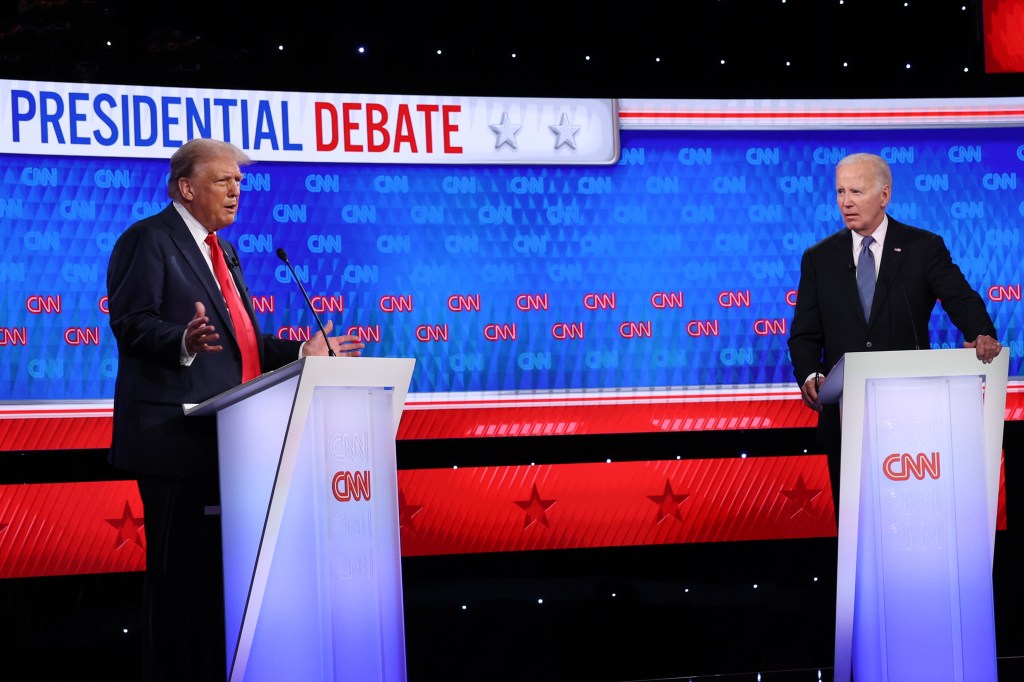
(155, 275)
(916, 271)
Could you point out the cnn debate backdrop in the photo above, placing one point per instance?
(513, 247)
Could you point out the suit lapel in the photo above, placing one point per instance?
(194, 259)
(888, 271)
(236, 274)
(243, 291)
(843, 259)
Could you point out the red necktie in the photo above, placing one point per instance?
(240, 319)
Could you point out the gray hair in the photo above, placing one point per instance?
(195, 152)
(880, 169)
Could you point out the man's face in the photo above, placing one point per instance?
(861, 196)
(211, 194)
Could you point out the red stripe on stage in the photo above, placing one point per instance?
(527, 415)
(49, 529)
(588, 419)
(56, 433)
(571, 506)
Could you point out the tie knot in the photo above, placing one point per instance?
(211, 239)
(865, 244)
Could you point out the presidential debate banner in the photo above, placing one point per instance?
(73, 119)
(518, 249)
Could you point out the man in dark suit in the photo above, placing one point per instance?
(909, 270)
(179, 342)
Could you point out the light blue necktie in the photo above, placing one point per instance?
(866, 275)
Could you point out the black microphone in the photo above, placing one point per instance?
(898, 253)
(284, 256)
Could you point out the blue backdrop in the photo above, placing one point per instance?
(676, 267)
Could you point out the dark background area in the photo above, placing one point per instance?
(665, 612)
(770, 48)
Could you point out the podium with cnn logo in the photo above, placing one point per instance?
(919, 490)
(309, 518)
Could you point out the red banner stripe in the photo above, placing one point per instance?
(99, 527)
(39, 430)
(49, 529)
(566, 506)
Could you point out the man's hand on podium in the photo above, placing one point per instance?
(985, 347)
(809, 392)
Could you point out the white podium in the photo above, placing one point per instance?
(309, 518)
(919, 484)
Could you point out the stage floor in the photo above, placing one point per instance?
(727, 612)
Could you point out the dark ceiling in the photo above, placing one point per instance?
(834, 48)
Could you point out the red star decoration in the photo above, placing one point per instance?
(535, 509)
(668, 503)
(128, 527)
(801, 496)
(406, 511)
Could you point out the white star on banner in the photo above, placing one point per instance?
(566, 132)
(506, 132)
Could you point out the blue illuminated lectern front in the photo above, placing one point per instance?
(919, 486)
(309, 517)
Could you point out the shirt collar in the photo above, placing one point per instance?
(199, 233)
(878, 234)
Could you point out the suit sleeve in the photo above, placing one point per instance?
(961, 302)
(279, 352)
(136, 276)
(806, 335)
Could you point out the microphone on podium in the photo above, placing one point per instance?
(284, 256)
